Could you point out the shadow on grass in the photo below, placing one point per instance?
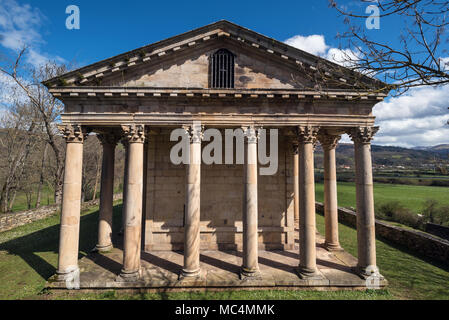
(47, 240)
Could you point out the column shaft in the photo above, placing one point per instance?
(296, 182)
(366, 237)
(125, 186)
(71, 204)
(330, 199)
(365, 207)
(106, 198)
(192, 209)
(250, 265)
(307, 242)
(133, 204)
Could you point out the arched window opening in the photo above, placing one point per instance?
(222, 69)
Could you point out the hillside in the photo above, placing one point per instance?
(393, 156)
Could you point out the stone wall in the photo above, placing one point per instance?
(221, 201)
(437, 230)
(12, 220)
(418, 242)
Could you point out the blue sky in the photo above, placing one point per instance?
(111, 27)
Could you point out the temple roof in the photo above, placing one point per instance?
(335, 78)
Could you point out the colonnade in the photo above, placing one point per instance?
(304, 199)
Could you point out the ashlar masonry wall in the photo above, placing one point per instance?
(221, 201)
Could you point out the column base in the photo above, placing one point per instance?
(368, 272)
(250, 274)
(71, 277)
(189, 273)
(333, 247)
(102, 249)
(128, 276)
(67, 274)
(308, 274)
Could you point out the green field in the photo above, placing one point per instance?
(28, 256)
(20, 203)
(412, 197)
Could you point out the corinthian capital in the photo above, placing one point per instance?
(195, 132)
(73, 133)
(251, 134)
(328, 141)
(134, 133)
(307, 134)
(363, 135)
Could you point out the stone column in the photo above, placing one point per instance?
(329, 143)
(296, 180)
(108, 141)
(250, 267)
(125, 185)
(71, 203)
(366, 238)
(192, 212)
(133, 206)
(307, 226)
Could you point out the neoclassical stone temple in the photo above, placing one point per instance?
(225, 77)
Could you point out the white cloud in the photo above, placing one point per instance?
(314, 44)
(20, 26)
(418, 118)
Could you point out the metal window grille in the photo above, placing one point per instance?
(222, 69)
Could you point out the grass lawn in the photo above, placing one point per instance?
(20, 203)
(412, 197)
(28, 256)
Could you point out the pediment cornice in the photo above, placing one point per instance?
(297, 59)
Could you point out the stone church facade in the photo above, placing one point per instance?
(222, 76)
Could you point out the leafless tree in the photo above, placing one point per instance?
(418, 59)
(17, 142)
(47, 108)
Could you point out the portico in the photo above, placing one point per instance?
(140, 97)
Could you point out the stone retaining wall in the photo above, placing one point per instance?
(437, 230)
(419, 242)
(12, 220)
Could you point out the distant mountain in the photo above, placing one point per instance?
(442, 149)
(392, 156)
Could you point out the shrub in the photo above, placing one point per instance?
(430, 210)
(395, 211)
(433, 212)
(386, 210)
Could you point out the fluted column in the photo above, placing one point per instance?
(250, 267)
(329, 143)
(71, 203)
(192, 213)
(307, 226)
(135, 136)
(108, 141)
(296, 180)
(366, 237)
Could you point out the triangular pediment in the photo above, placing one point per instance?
(183, 61)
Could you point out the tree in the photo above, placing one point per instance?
(18, 140)
(419, 59)
(46, 107)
